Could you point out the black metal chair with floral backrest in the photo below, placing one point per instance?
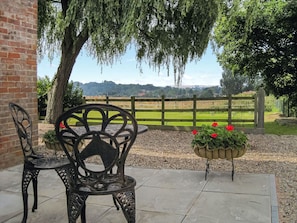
(33, 162)
(102, 135)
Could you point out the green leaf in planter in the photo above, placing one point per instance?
(50, 136)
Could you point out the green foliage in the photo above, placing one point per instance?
(215, 137)
(235, 83)
(173, 32)
(164, 32)
(268, 108)
(43, 86)
(50, 136)
(291, 100)
(256, 37)
(207, 93)
(73, 95)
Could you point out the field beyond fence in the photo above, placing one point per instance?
(167, 113)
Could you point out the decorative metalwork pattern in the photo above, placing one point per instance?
(34, 162)
(126, 200)
(76, 201)
(65, 172)
(23, 124)
(104, 133)
(28, 175)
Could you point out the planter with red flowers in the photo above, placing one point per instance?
(215, 142)
(51, 142)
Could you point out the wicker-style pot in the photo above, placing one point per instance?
(53, 145)
(220, 153)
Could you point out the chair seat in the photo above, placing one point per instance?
(109, 185)
(50, 162)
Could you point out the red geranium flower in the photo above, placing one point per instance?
(194, 132)
(62, 126)
(214, 135)
(215, 124)
(230, 127)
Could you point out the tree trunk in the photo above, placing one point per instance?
(70, 50)
(56, 94)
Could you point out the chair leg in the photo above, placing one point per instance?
(115, 202)
(75, 206)
(83, 214)
(232, 175)
(25, 206)
(28, 175)
(65, 173)
(126, 200)
(34, 181)
(206, 169)
(26, 179)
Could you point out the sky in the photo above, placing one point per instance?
(206, 71)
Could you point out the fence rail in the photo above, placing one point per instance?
(161, 109)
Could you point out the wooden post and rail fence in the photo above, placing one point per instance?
(163, 107)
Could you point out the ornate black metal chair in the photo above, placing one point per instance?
(105, 134)
(33, 162)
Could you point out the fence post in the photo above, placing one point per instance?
(107, 99)
(285, 107)
(133, 106)
(288, 107)
(229, 109)
(163, 111)
(256, 111)
(261, 108)
(194, 109)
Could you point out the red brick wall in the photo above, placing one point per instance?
(18, 73)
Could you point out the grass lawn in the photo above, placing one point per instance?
(272, 127)
(275, 128)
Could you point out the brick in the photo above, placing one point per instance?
(3, 90)
(7, 60)
(13, 78)
(13, 21)
(14, 90)
(16, 45)
(3, 30)
(31, 62)
(3, 54)
(18, 38)
(13, 55)
(3, 19)
(20, 95)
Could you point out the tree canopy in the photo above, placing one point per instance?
(166, 33)
(259, 38)
(235, 83)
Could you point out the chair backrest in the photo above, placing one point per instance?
(100, 133)
(23, 126)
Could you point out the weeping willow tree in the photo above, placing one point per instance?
(166, 33)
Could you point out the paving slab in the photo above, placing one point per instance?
(222, 182)
(162, 195)
(165, 199)
(232, 208)
(10, 205)
(177, 179)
